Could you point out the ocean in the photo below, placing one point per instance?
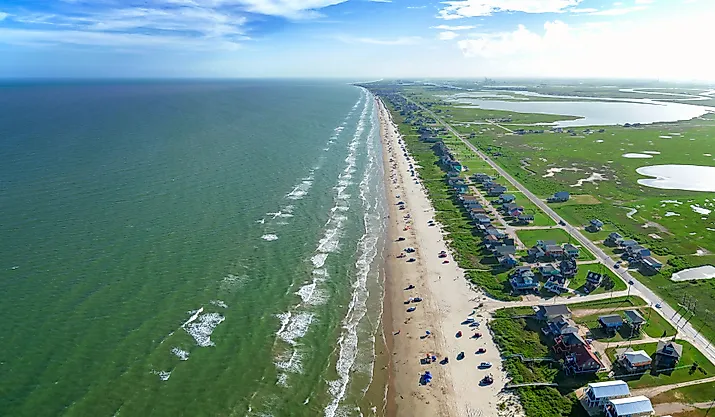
(190, 248)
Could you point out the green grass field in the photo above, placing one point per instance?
(530, 237)
(684, 373)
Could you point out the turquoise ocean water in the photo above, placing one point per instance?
(190, 248)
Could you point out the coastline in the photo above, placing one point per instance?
(448, 299)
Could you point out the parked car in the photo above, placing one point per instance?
(657, 305)
(485, 365)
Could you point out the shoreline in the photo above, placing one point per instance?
(448, 299)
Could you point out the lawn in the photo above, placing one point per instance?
(530, 237)
(657, 326)
(578, 282)
(613, 302)
(693, 394)
(685, 371)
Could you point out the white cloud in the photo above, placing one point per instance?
(109, 39)
(616, 49)
(380, 1)
(447, 36)
(448, 27)
(618, 11)
(416, 7)
(644, 1)
(404, 40)
(458, 9)
(583, 10)
(3, 16)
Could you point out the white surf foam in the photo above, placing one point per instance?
(180, 353)
(269, 237)
(296, 328)
(219, 303)
(163, 375)
(348, 341)
(202, 327)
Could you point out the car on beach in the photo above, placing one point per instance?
(485, 365)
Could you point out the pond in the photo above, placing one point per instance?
(679, 177)
(595, 112)
(701, 272)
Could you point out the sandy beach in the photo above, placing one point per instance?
(448, 300)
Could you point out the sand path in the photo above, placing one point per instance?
(448, 300)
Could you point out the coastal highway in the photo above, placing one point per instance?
(678, 317)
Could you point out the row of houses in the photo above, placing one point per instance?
(666, 356)
(550, 250)
(634, 253)
(576, 352)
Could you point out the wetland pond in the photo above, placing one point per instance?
(594, 112)
(679, 177)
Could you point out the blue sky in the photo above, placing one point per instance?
(359, 39)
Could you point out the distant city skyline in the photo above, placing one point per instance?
(360, 39)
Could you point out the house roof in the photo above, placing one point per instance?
(507, 196)
(610, 319)
(562, 194)
(554, 248)
(548, 268)
(638, 357)
(505, 249)
(669, 348)
(633, 317)
(583, 355)
(609, 389)
(555, 310)
(632, 405)
(650, 261)
(569, 246)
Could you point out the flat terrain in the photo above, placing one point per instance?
(588, 163)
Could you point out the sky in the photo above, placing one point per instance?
(357, 39)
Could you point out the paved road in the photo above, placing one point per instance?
(685, 330)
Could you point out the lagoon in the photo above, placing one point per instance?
(679, 177)
(595, 112)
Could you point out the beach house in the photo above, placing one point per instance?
(559, 197)
(635, 320)
(593, 280)
(523, 279)
(594, 225)
(557, 284)
(611, 322)
(629, 407)
(637, 361)
(597, 394)
(548, 312)
(613, 239)
(507, 198)
(581, 360)
(571, 250)
(525, 218)
(651, 265)
(667, 354)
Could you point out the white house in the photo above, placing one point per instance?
(629, 407)
(598, 393)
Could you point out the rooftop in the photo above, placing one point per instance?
(632, 405)
(633, 317)
(609, 389)
(638, 357)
